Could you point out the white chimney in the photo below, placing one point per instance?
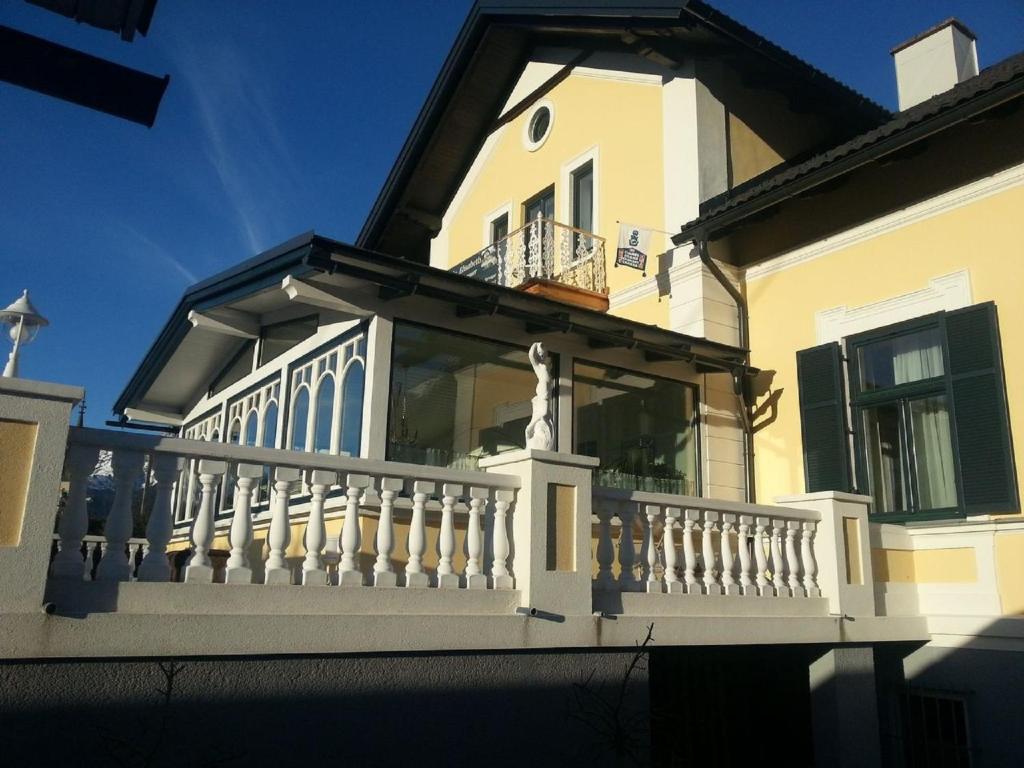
(934, 61)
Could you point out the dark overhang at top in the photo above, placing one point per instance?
(389, 279)
(492, 48)
(126, 17)
(993, 88)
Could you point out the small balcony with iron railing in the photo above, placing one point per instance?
(547, 258)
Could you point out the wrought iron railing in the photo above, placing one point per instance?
(543, 249)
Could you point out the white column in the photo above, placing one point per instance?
(778, 567)
(349, 572)
(689, 553)
(383, 572)
(154, 566)
(742, 545)
(764, 587)
(446, 576)
(651, 511)
(199, 567)
(475, 579)
(729, 585)
(314, 574)
(807, 556)
(115, 566)
(792, 561)
(238, 567)
(499, 568)
(417, 544)
(711, 585)
(627, 552)
(74, 520)
(668, 545)
(605, 547)
(277, 570)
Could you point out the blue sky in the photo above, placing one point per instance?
(279, 119)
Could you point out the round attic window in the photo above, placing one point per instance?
(538, 127)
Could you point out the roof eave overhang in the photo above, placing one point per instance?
(256, 274)
(718, 225)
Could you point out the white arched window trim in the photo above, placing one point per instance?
(340, 401)
(291, 415)
(314, 409)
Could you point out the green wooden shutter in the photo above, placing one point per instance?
(980, 415)
(823, 418)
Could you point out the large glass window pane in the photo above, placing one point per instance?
(300, 416)
(352, 409)
(278, 339)
(270, 426)
(933, 453)
(324, 415)
(250, 429)
(641, 428)
(901, 360)
(883, 448)
(456, 398)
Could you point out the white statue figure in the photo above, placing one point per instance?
(540, 432)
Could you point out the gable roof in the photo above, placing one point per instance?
(488, 56)
(991, 87)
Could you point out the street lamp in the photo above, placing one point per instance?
(24, 323)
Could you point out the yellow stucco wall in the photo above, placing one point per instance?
(925, 566)
(622, 119)
(1010, 571)
(984, 237)
(17, 444)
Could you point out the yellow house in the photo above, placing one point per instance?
(651, 323)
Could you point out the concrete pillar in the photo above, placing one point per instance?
(34, 420)
(844, 709)
(550, 528)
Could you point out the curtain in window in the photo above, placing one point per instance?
(933, 453)
(916, 357)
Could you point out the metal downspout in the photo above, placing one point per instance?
(738, 373)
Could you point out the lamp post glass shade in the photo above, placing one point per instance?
(23, 323)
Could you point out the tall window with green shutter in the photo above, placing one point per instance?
(927, 414)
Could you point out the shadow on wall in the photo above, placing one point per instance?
(422, 709)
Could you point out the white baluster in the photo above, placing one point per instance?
(654, 584)
(711, 585)
(627, 552)
(314, 573)
(115, 565)
(605, 547)
(807, 556)
(238, 569)
(475, 579)
(277, 570)
(792, 560)
(742, 545)
(74, 520)
(778, 567)
(159, 529)
(349, 572)
(764, 588)
(446, 576)
(499, 569)
(199, 567)
(668, 545)
(417, 542)
(729, 585)
(383, 572)
(689, 553)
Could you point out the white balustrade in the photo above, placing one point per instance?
(200, 567)
(238, 570)
(739, 554)
(314, 573)
(115, 565)
(414, 574)
(446, 576)
(349, 573)
(277, 570)
(74, 520)
(383, 572)
(502, 579)
(475, 578)
(160, 527)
